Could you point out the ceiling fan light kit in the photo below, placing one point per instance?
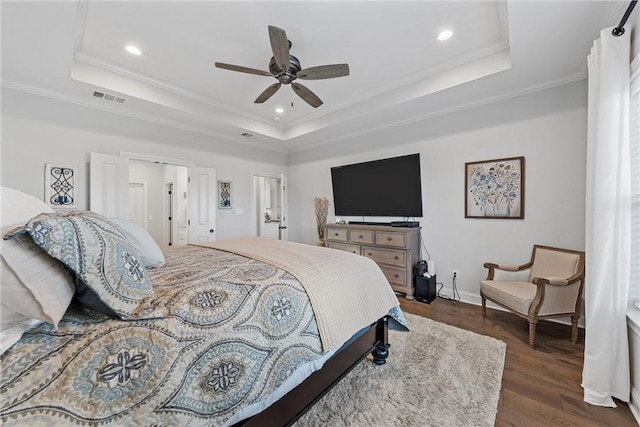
(286, 68)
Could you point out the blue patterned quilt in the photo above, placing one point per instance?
(234, 331)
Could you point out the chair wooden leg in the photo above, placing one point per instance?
(532, 334)
(484, 306)
(574, 329)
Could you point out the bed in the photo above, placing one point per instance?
(241, 332)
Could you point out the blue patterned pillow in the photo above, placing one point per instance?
(98, 252)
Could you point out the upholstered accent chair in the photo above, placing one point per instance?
(550, 285)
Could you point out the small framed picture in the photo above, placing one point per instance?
(225, 195)
(494, 189)
(60, 186)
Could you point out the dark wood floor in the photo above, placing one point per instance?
(540, 387)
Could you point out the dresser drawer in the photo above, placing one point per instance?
(344, 247)
(385, 256)
(395, 275)
(391, 239)
(336, 234)
(361, 236)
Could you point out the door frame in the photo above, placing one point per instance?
(169, 212)
(157, 159)
(165, 161)
(283, 193)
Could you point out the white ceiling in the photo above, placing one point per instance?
(400, 73)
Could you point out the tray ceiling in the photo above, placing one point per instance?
(399, 70)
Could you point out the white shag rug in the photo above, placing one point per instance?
(436, 375)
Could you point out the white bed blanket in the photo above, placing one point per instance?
(347, 291)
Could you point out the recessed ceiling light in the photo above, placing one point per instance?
(279, 110)
(445, 35)
(133, 50)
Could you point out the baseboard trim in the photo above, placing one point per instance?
(475, 299)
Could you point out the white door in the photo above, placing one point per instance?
(269, 205)
(283, 207)
(109, 185)
(202, 196)
(138, 203)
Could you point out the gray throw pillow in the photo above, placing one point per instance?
(99, 254)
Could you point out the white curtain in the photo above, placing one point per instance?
(608, 216)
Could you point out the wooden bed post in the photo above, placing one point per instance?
(381, 351)
(292, 405)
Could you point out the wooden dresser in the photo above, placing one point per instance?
(394, 249)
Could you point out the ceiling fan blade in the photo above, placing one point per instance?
(324, 72)
(306, 95)
(268, 93)
(279, 46)
(242, 69)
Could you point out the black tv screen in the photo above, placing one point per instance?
(387, 187)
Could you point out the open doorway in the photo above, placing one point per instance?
(268, 211)
(193, 195)
(156, 205)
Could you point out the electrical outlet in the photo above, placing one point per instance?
(455, 274)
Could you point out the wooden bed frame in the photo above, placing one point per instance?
(294, 404)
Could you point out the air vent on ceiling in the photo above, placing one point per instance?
(107, 97)
(246, 134)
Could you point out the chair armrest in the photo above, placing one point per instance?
(505, 267)
(558, 281)
(509, 267)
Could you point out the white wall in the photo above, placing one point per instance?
(38, 130)
(548, 128)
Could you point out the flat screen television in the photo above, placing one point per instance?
(388, 187)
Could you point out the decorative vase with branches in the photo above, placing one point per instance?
(321, 206)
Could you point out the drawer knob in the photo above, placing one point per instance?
(354, 252)
(389, 239)
(396, 257)
(360, 236)
(369, 254)
(396, 275)
(335, 234)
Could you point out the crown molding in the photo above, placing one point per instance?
(82, 57)
(484, 101)
(123, 111)
(329, 115)
(79, 55)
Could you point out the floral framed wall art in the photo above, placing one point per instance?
(224, 195)
(60, 186)
(494, 188)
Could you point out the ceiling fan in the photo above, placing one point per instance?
(286, 68)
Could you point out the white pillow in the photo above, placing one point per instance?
(21, 303)
(32, 283)
(9, 317)
(12, 334)
(18, 207)
(150, 253)
(12, 326)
